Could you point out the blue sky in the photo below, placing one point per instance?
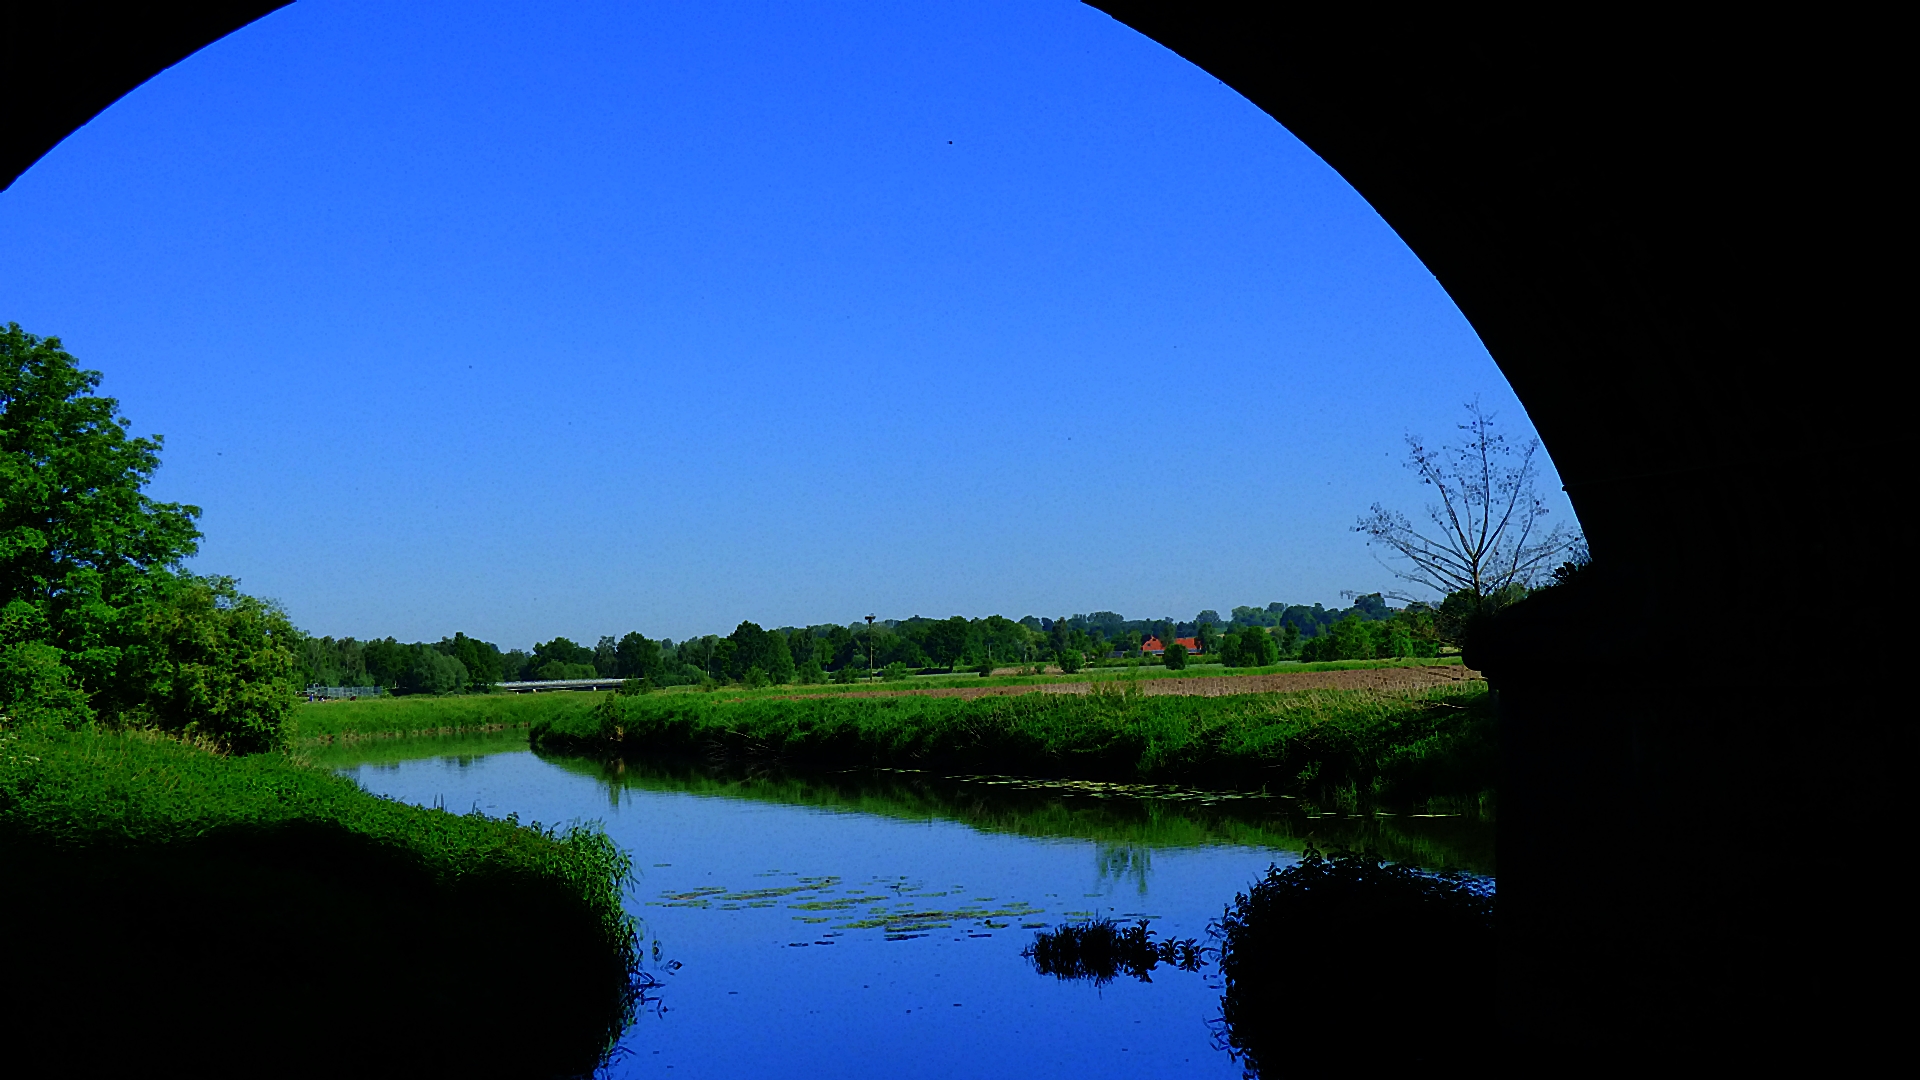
(538, 319)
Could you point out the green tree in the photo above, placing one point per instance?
(214, 661)
(946, 640)
(1071, 660)
(1250, 646)
(1176, 658)
(1351, 640)
(763, 649)
(1289, 642)
(1207, 636)
(569, 656)
(557, 669)
(387, 660)
(638, 658)
(36, 686)
(84, 552)
(801, 643)
(433, 672)
(480, 659)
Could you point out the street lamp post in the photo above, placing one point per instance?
(869, 648)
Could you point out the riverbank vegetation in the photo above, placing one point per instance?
(1100, 950)
(161, 873)
(1339, 748)
(399, 717)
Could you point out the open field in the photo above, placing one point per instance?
(1342, 747)
(158, 872)
(1146, 673)
(1191, 684)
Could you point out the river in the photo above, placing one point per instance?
(872, 924)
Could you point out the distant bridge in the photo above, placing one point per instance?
(537, 685)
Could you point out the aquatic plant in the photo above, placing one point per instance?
(1098, 950)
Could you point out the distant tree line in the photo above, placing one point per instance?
(753, 655)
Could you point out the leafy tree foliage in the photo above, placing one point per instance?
(638, 658)
(757, 649)
(565, 652)
(213, 661)
(1175, 657)
(1250, 646)
(97, 618)
(482, 660)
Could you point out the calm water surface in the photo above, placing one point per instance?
(872, 925)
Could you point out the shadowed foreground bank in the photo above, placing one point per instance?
(168, 906)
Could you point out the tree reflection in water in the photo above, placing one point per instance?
(1340, 950)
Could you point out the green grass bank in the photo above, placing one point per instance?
(392, 717)
(1346, 748)
(259, 916)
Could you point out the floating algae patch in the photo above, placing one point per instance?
(892, 908)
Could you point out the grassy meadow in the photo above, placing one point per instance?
(1117, 672)
(391, 717)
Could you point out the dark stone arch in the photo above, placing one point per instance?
(1666, 234)
(1671, 237)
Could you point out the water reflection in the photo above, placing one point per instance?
(1100, 950)
(1127, 821)
(872, 924)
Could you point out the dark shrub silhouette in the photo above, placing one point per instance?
(1342, 950)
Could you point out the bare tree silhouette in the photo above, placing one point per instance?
(1486, 534)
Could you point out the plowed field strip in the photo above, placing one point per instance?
(1398, 678)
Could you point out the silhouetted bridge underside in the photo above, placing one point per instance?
(1670, 235)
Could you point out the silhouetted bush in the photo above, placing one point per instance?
(1342, 950)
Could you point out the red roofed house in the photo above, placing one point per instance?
(1153, 647)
